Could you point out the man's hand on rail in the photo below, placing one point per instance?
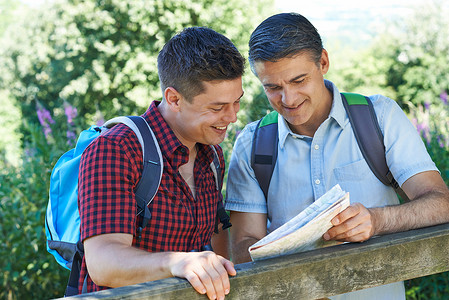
(207, 272)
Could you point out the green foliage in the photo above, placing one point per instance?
(28, 270)
(408, 62)
(428, 288)
(432, 122)
(422, 61)
(10, 116)
(101, 55)
(7, 9)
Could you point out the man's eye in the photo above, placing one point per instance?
(217, 108)
(272, 88)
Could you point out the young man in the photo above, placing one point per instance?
(317, 149)
(200, 72)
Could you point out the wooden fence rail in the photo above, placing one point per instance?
(320, 273)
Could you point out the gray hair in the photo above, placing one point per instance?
(284, 35)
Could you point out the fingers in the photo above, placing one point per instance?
(219, 275)
(354, 224)
(347, 214)
(229, 266)
(206, 272)
(195, 281)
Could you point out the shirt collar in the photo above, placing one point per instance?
(337, 113)
(284, 130)
(168, 142)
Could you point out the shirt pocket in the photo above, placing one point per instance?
(353, 172)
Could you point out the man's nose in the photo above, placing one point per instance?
(231, 113)
(288, 97)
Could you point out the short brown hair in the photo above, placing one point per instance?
(198, 54)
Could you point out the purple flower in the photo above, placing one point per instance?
(423, 130)
(237, 133)
(443, 97)
(100, 121)
(44, 116)
(421, 127)
(426, 105)
(47, 131)
(45, 119)
(441, 141)
(30, 152)
(71, 112)
(71, 138)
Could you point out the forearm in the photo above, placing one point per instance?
(116, 265)
(247, 229)
(220, 243)
(240, 252)
(428, 209)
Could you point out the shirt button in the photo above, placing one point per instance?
(317, 147)
(317, 181)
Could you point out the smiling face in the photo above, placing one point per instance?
(295, 89)
(206, 117)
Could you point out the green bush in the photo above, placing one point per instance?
(432, 121)
(28, 270)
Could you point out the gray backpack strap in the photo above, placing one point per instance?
(216, 168)
(152, 171)
(222, 216)
(264, 150)
(370, 138)
(152, 165)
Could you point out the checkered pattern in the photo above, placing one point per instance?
(109, 172)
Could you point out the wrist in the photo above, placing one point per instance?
(375, 219)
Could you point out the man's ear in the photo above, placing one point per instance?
(173, 98)
(324, 62)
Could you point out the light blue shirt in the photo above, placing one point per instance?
(307, 167)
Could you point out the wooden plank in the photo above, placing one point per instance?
(319, 273)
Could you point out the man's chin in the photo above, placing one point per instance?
(215, 141)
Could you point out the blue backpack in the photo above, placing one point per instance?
(366, 130)
(62, 221)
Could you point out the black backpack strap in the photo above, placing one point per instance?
(265, 149)
(72, 285)
(369, 137)
(152, 170)
(222, 216)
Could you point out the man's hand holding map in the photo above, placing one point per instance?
(304, 232)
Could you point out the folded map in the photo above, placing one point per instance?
(305, 231)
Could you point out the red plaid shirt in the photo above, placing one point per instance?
(110, 170)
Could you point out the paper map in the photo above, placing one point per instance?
(304, 232)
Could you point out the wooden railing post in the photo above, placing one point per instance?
(320, 273)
